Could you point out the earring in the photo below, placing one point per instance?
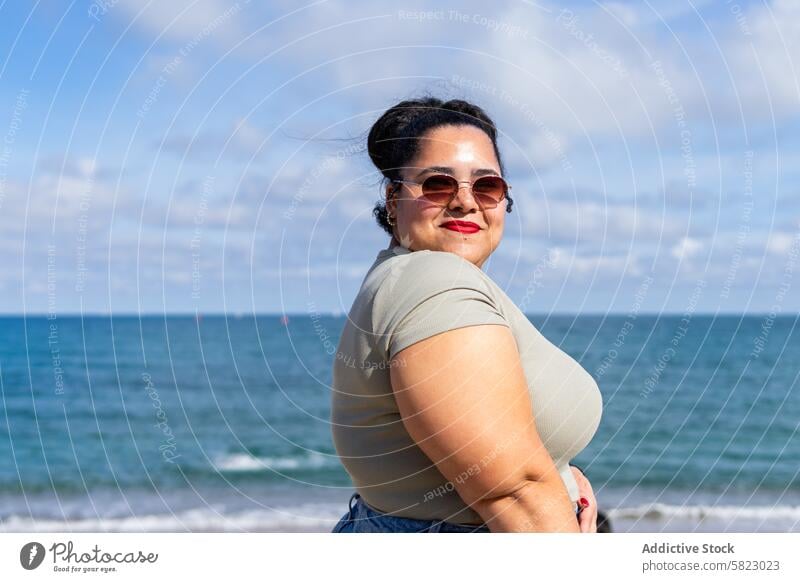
(389, 220)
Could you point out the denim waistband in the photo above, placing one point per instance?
(359, 510)
(367, 518)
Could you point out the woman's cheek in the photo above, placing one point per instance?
(496, 233)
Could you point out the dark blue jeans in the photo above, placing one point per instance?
(361, 518)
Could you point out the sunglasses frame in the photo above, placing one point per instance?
(459, 182)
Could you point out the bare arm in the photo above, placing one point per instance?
(464, 399)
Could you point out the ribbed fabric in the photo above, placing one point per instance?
(407, 297)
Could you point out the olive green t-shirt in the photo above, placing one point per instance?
(406, 297)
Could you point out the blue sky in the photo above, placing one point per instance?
(208, 156)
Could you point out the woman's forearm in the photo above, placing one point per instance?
(537, 506)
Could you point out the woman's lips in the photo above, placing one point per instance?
(461, 226)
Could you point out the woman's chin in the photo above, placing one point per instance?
(471, 252)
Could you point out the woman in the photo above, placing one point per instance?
(450, 411)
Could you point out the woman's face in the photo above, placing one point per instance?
(466, 153)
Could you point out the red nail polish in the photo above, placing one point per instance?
(584, 502)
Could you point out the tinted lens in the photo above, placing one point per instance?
(439, 189)
(490, 190)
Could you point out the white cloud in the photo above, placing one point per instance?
(655, 11)
(187, 20)
(687, 247)
(242, 141)
(779, 243)
(595, 223)
(625, 12)
(765, 54)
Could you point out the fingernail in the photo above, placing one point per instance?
(584, 502)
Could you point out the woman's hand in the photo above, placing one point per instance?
(587, 519)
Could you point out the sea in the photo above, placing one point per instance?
(221, 422)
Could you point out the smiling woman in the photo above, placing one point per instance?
(472, 422)
(442, 166)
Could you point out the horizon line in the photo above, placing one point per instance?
(341, 313)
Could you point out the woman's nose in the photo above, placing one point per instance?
(464, 198)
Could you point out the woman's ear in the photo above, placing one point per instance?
(391, 203)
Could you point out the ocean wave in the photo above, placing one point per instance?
(697, 512)
(301, 518)
(321, 517)
(244, 462)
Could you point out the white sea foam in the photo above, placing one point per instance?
(238, 462)
(696, 512)
(321, 517)
(312, 517)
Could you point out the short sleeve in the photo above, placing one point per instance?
(428, 293)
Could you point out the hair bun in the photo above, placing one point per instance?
(393, 127)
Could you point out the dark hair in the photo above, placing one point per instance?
(394, 139)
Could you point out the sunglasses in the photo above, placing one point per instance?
(440, 189)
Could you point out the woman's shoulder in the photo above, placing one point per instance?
(425, 293)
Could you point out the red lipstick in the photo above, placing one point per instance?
(461, 226)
